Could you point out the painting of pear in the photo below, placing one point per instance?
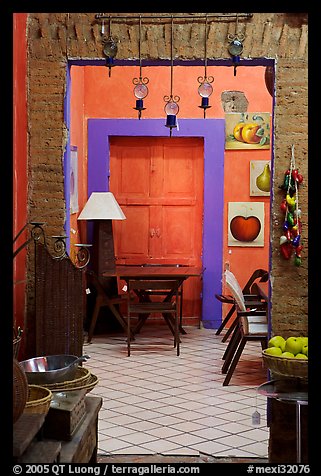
(263, 180)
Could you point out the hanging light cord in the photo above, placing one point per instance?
(172, 63)
(139, 50)
(109, 25)
(205, 48)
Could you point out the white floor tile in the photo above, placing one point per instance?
(155, 402)
(160, 446)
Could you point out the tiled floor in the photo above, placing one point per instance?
(157, 403)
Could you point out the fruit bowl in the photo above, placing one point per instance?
(287, 367)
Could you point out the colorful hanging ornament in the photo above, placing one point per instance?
(290, 239)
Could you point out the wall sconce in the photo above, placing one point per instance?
(109, 46)
(235, 47)
(102, 208)
(171, 107)
(205, 89)
(140, 90)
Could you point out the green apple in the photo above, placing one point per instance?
(300, 356)
(273, 351)
(305, 349)
(287, 355)
(293, 345)
(277, 341)
(304, 340)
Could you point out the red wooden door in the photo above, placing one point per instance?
(158, 183)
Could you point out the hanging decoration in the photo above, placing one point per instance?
(290, 240)
(109, 46)
(235, 47)
(140, 89)
(171, 107)
(205, 89)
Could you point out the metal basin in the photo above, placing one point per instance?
(51, 368)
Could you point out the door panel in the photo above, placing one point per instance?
(132, 241)
(178, 173)
(158, 183)
(132, 174)
(178, 225)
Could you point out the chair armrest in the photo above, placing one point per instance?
(225, 298)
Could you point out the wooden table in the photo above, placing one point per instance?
(149, 271)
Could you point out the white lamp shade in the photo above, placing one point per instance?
(102, 206)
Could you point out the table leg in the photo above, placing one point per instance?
(298, 428)
(181, 329)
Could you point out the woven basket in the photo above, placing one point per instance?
(74, 385)
(296, 368)
(39, 399)
(82, 377)
(88, 386)
(20, 390)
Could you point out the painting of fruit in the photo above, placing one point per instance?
(245, 228)
(246, 224)
(247, 130)
(260, 178)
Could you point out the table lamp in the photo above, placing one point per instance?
(102, 208)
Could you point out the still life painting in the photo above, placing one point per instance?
(260, 178)
(246, 224)
(247, 130)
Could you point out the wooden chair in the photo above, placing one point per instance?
(142, 305)
(102, 299)
(251, 326)
(246, 331)
(258, 274)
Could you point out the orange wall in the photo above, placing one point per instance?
(112, 97)
(20, 179)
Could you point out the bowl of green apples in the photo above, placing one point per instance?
(287, 357)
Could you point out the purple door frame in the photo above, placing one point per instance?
(213, 133)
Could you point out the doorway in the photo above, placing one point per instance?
(158, 182)
(211, 131)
